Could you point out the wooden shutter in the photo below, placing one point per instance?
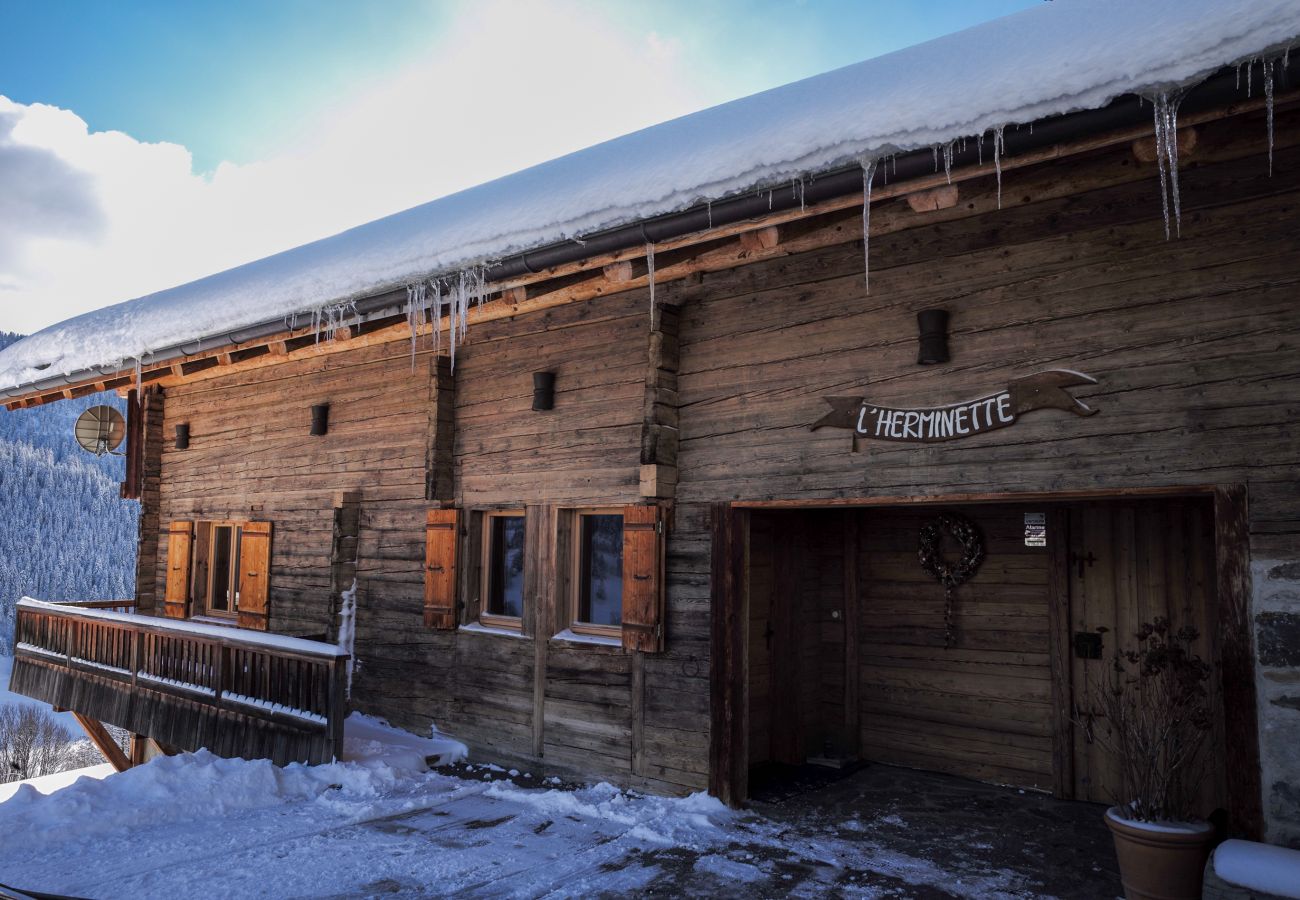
(643, 578)
(255, 575)
(176, 598)
(440, 538)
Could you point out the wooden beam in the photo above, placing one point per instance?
(100, 737)
(1237, 662)
(935, 199)
(852, 603)
(618, 272)
(514, 296)
(764, 238)
(277, 348)
(1059, 659)
(1145, 150)
(728, 612)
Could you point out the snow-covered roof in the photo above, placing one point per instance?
(1054, 58)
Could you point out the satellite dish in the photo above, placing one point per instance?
(100, 430)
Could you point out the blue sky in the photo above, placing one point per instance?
(147, 144)
(233, 80)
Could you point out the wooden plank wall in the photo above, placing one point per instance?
(1196, 341)
(983, 708)
(251, 456)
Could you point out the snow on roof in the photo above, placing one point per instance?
(1054, 58)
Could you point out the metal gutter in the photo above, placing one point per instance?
(1126, 111)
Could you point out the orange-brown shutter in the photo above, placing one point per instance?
(643, 578)
(176, 599)
(255, 575)
(440, 539)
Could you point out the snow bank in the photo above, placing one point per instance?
(48, 784)
(1259, 867)
(1053, 58)
(379, 761)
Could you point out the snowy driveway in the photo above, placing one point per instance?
(379, 825)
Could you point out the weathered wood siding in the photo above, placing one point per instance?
(251, 457)
(1196, 343)
(1195, 340)
(982, 708)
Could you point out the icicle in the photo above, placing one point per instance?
(710, 209)
(139, 378)
(868, 173)
(934, 151)
(1166, 135)
(803, 190)
(769, 200)
(979, 148)
(1268, 106)
(650, 274)
(997, 158)
(1250, 65)
(947, 161)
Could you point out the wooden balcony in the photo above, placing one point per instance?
(186, 685)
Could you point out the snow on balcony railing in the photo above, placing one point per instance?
(296, 683)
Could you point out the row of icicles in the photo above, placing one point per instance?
(428, 301)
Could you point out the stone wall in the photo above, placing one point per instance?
(1277, 635)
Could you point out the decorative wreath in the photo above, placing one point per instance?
(951, 575)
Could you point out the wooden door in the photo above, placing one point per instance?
(1128, 564)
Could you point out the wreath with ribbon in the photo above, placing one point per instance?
(951, 575)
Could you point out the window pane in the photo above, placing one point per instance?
(506, 580)
(220, 599)
(601, 578)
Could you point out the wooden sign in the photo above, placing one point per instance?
(1044, 390)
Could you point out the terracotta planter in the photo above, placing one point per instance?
(1160, 862)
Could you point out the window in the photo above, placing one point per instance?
(223, 570)
(503, 569)
(598, 573)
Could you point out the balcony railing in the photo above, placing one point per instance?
(186, 685)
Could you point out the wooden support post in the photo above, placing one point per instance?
(638, 713)
(852, 637)
(1237, 662)
(1058, 628)
(728, 741)
(540, 571)
(100, 737)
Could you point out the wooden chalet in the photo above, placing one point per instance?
(665, 521)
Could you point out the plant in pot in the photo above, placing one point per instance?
(1156, 703)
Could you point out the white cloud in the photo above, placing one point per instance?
(506, 86)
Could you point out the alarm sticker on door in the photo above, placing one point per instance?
(1035, 529)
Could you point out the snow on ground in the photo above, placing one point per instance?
(48, 784)
(1052, 58)
(379, 823)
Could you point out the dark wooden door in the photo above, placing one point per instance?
(1129, 563)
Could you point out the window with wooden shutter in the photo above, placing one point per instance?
(253, 595)
(176, 598)
(440, 538)
(643, 578)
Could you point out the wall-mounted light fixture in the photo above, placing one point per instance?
(183, 436)
(320, 419)
(933, 325)
(543, 390)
